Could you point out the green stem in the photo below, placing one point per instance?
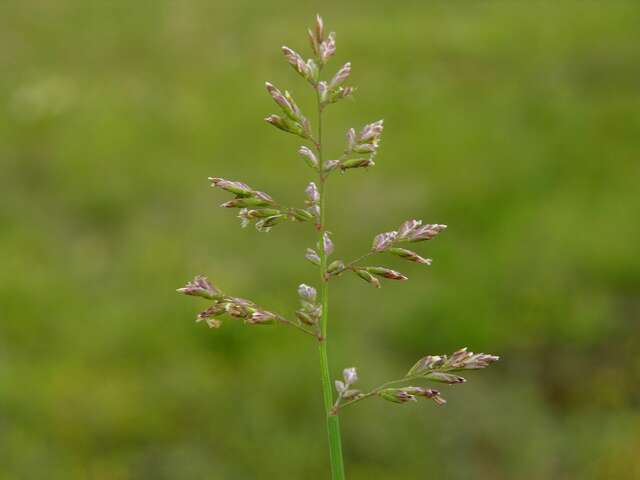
(333, 422)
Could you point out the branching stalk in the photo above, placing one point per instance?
(333, 422)
(312, 317)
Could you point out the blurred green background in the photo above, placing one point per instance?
(516, 123)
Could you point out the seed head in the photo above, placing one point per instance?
(426, 364)
(200, 287)
(261, 317)
(313, 194)
(296, 110)
(309, 313)
(465, 360)
(306, 70)
(319, 32)
(340, 76)
(330, 165)
(365, 143)
(342, 92)
(301, 215)
(414, 231)
(328, 48)
(307, 293)
(427, 232)
(312, 256)
(409, 255)
(261, 200)
(350, 375)
(396, 395)
(356, 163)
(282, 102)
(429, 393)
(371, 132)
(367, 277)
(243, 215)
(323, 91)
(351, 139)
(237, 188)
(309, 157)
(336, 267)
(266, 224)
(209, 315)
(262, 213)
(386, 273)
(445, 378)
(286, 125)
(327, 244)
(305, 318)
(383, 241)
(407, 228)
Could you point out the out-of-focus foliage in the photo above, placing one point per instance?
(515, 123)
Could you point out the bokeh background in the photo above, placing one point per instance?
(516, 123)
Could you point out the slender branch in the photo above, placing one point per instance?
(298, 326)
(352, 263)
(338, 405)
